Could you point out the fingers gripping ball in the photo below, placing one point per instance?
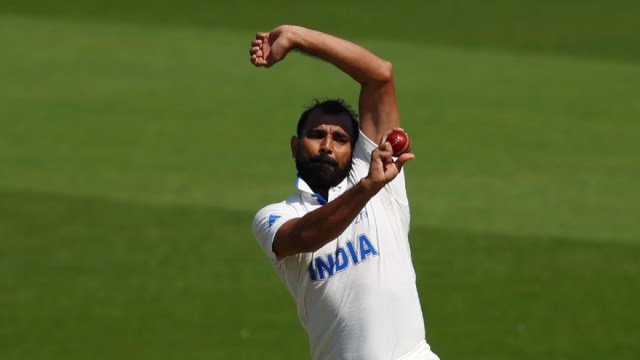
(400, 142)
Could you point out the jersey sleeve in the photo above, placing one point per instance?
(362, 161)
(266, 224)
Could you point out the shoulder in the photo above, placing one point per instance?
(271, 213)
(364, 146)
(361, 158)
(287, 205)
(268, 220)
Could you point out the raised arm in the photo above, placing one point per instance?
(378, 106)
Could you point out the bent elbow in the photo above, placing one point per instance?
(386, 71)
(381, 73)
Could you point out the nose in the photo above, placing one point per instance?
(326, 146)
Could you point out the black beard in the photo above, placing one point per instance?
(321, 172)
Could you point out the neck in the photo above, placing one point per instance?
(322, 192)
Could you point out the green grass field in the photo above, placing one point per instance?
(137, 142)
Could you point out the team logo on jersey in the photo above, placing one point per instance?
(362, 216)
(352, 253)
(273, 219)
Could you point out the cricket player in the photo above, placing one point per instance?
(340, 244)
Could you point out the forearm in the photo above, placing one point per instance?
(359, 63)
(378, 108)
(315, 229)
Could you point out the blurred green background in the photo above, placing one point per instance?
(137, 142)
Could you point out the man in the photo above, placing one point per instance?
(341, 244)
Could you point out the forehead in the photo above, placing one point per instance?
(317, 119)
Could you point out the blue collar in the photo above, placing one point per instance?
(306, 189)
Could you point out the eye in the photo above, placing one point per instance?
(340, 139)
(316, 134)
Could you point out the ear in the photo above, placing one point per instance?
(294, 146)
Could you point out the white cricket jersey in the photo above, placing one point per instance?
(356, 296)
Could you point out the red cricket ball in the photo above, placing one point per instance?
(400, 142)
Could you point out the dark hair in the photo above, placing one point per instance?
(330, 107)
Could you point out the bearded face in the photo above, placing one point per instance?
(324, 149)
(321, 171)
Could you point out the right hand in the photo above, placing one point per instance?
(383, 169)
(270, 47)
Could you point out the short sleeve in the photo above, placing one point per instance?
(266, 224)
(362, 161)
(362, 155)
